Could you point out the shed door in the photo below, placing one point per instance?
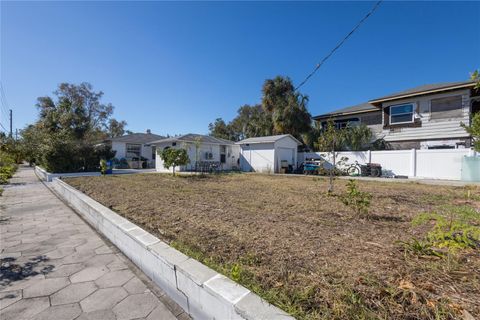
(286, 154)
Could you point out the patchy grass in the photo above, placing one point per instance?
(303, 250)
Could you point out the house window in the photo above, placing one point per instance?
(208, 155)
(342, 124)
(402, 113)
(133, 150)
(351, 122)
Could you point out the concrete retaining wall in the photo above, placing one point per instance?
(48, 176)
(199, 290)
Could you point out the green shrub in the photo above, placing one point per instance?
(357, 200)
(455, 227)
(174, 157)
(6, 172)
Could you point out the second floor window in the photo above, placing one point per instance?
(402, 113)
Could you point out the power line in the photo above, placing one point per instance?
(5, 111)
(1, 125)
(4, 96)
(4, 105)
(375, 7)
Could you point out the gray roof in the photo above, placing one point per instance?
(137, 138)
(366, 107)
(191, 137)
(426, 89)
(267, 139)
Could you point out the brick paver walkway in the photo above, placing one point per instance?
(55, 266)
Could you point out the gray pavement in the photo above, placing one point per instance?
(55, 266)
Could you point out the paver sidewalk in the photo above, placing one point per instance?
(55, 266)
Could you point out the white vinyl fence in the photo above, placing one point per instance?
(422, 163)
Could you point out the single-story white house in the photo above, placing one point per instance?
(268, 154)
(203, 151)
(135, 147)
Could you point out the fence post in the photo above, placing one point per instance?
(413, 163)
(369, 156)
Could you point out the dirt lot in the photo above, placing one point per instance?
(301, 249)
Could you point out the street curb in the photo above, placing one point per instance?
(200, 291)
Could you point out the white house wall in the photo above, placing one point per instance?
(147, 152)
(258, 157)
(431, 129)
(119, 147)
(199, 154)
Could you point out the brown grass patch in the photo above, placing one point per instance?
(299, 248)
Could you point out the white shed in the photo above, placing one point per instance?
(265, 154)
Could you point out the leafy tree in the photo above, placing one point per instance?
(380, 144)
(283, 110)
(474, 128)
(331, 138)
(219, 129)
(358, 138)
(251, 121)
(116, 128)
(287, 107)
(31, 138)
(474, 131)
(331, 141)
(475, 76)
(174, 157)
(70, 127)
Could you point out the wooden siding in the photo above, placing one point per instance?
(431, 128)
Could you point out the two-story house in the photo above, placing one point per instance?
(425, 117)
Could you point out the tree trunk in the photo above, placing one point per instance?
(332, 170)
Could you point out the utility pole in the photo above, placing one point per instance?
(11, 131)
(16, 134)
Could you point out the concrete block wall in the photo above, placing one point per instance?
(199, 290)
(48, 176)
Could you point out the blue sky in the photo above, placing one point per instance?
(175, 67)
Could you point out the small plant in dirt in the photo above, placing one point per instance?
(454, 227)
(358, 201)
(103, 166)
(420, 248)
(174, 157)
(471, 193)
(236, 272)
